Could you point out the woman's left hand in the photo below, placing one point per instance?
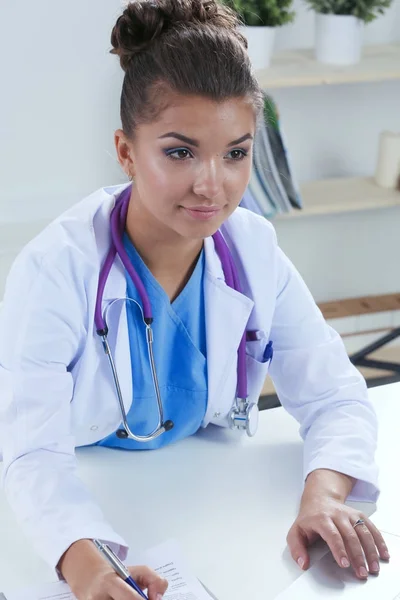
(322, 515)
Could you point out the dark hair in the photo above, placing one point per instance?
(193, 47)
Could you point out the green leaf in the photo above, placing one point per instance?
(271, 13)
(366, 10)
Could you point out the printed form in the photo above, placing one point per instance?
(167, 559)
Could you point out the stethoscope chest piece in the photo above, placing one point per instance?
(252, 420)
(244, 416)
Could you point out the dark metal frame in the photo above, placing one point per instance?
(359, 359)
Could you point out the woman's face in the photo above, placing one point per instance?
(192, 165)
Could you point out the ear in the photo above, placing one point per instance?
(124, 150)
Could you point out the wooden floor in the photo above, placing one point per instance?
(391, 354)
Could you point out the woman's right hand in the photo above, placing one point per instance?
(90, 577)
(106, 585)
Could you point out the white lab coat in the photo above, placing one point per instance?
(56, 391)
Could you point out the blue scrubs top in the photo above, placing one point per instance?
(180, 357)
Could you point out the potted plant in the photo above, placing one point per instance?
(339, 27)
(260, 19)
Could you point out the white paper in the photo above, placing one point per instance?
(326, 580)
(166, 559)
(48, 591)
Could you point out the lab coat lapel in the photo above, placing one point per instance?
(227, 313)
(118, 337)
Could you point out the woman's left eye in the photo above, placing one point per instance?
(238, 154)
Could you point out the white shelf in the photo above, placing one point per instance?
(329, 196)
(299, 68)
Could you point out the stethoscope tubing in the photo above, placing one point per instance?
(117, 225)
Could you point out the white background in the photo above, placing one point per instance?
(59, 108)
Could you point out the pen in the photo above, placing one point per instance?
(119, 567)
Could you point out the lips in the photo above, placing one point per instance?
(202, 213)
(203, 208)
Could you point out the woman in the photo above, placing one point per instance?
(189, 110)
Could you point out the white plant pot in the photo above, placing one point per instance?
(261, 44)
(338, 39)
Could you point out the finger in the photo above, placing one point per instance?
(369, 547)
(122, 591)
(378, 539)
(157, 591)
(354, 548)
(147, 578)
(333, 537)
(297, 543)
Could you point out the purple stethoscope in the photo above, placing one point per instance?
(243, 415)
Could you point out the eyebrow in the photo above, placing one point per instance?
(186, 140)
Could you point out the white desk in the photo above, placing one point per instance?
(233, 534)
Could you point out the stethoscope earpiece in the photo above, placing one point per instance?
(122, 434)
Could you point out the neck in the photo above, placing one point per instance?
(169, 256)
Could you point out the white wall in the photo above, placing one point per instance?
(62, 106)
(59, 108)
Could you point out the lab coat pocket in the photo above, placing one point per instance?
(256, 374)
(258, 346)
(258, 358)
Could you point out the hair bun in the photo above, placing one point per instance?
(143, 21)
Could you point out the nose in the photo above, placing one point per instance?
(209, 180)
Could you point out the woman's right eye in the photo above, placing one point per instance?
(178, 153)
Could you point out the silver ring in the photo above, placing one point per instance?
(359, 522)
